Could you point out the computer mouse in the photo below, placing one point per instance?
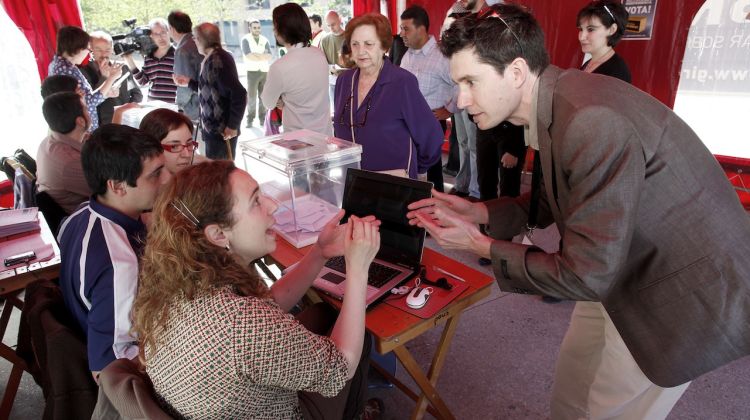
(417, 298)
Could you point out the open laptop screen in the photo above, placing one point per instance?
(387, 197)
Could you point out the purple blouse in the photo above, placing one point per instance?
(393, 111)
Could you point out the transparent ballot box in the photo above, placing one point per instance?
(304, 172)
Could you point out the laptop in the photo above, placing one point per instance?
(400, 255)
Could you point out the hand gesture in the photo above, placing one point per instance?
(111, 71)
(508, 160)
(331, 240)
(361, 244)
(439, 200)
(451, 231)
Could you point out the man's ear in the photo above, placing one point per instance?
(518, 69)
(117, 187)
(81, 121)
(216, 235)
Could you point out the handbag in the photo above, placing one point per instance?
(403, 173)
(272, 122)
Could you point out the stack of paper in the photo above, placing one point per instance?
(13, 222)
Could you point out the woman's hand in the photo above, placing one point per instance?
(331, 240)
(361, 244)
(131, 63)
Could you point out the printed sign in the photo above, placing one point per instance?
(641, 20)
(717, 54)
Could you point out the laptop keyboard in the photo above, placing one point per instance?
(378, 275)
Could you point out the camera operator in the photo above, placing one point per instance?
(158, 66)
(187, 61)
(127, 90)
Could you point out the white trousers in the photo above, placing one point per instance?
(597, 378)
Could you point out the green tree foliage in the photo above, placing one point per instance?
(108, 15)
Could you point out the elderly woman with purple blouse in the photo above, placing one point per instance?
(379, 106)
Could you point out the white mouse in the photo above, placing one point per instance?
(417, 298)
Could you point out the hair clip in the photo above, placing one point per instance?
(610, 13)
(185, 212)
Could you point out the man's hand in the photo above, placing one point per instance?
(229, 133)
(332, 237)
(463, 208)
(508, 160)
(110, 71)
(120, 109)
(441, 113)
(180, 80)
(451, 231)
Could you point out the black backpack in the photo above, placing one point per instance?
(22, 158)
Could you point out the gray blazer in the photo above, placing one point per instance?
(649, 226)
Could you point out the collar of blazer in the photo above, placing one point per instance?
(547, 81)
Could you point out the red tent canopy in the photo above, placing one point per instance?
(655, 64)
(39, 20)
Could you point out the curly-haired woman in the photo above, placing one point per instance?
(215, 340)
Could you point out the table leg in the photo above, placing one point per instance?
(4, 318)
(437, 362)
(428, 390)
(7, 353)
(10, 391)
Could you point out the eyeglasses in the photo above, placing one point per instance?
(177, 148)
(346, 111)
(490, 13)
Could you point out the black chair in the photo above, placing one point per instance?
(54, 349)
(53, 213)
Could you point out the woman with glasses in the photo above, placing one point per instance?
(158, 65)
(379, 105)
(72, 51)
(215, 340)
(175, 132)
(298, 82)
(601, 25)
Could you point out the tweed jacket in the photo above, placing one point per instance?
(650, 226)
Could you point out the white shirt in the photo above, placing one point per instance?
(432, 70)
(257, 48)
(300, 80)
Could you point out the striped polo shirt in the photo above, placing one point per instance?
(158, 72)
(100, 249)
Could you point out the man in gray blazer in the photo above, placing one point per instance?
(654, 242)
